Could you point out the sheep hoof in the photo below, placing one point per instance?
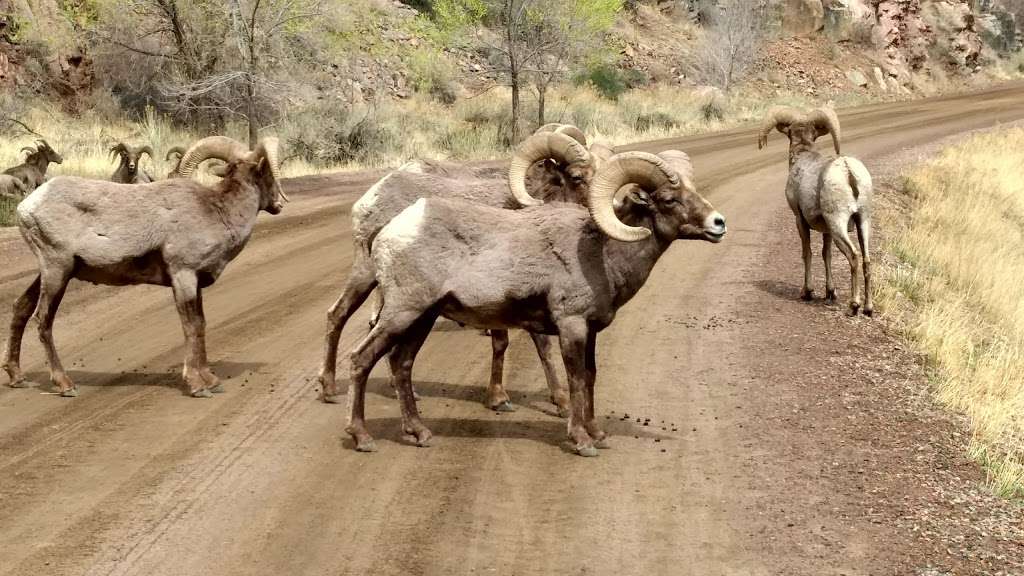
(602, 444)
(366, 445)
(330, 398)
(218, 389)
(69, 393)
(869, 312)
(854, 308)
(806, 295)
(586, 451)
(20, 383)
(830, 296)
(202, 393)
(505, 406)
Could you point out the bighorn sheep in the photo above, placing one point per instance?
(400, 189)
(129, 171)
(826, 194)
(32, 172)
(176, 233)
(12, 187)
(174, 155)
(555, 270)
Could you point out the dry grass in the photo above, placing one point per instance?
(958, 291)
(395, 131)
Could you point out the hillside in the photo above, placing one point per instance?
(372, 82)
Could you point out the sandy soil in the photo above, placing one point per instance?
(753, 434)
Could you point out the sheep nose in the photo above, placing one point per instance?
(715, 224)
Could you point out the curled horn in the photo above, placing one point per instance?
(826, 122)
(117, 150)
(567, 129)
(177, 150)
(268, 148)
(29, 149)
(641, 168)
(541, 146)
(680, 162)
(219, 147)
(778, 118)
(148, 150)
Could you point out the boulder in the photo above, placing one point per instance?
(802, 17)
(880, 79)
(857, 78)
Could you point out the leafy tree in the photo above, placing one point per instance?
(536, 40)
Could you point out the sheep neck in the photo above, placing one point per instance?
(798, 148)
(630, 263)
(237, 203)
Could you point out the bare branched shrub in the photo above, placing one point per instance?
(732, 43)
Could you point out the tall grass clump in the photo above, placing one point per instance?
(957, 289)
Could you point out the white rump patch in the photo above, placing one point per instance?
(32, 201)
(366, 202)
(400, 233)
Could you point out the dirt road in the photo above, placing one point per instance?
(780, 440)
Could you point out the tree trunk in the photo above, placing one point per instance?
(514, 77)
(542, 92)
(254, 128)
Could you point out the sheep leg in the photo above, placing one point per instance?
(497, 397)
(806, 293)
(559, 393)
(842, 240)
(363, 359)
(826, 256)
(590, 366)
(24, 306)
(572, 336)
(401, 359)
(186, 298)
(212, 382)
(53, 282)
(360, 283)
(864, 237)
(378, 306)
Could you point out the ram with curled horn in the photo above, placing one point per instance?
(561, 270)
(177, 233)
(827, 195)
(129, 169)
(32, 173)
(551, 166)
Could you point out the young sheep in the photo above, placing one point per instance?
(568, 177)
(129, 171)
(554, 270)
(32, 172)
(826, 194)
(12, 187)
(177, 233)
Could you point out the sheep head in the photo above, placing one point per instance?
(129, 155)
(574, 163)
(42, 153)
(802, 128)
(664, 189)
(261, 167)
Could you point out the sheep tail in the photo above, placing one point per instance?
(852, 179)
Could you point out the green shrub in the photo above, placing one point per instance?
(606, 78)
(431, 74)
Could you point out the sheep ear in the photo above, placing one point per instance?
(639, 197)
